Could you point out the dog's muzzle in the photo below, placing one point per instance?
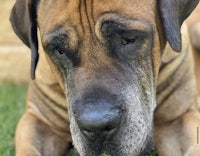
(97, 115)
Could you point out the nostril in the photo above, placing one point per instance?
(106, 129)
(99, 123)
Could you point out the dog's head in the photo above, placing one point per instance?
(108, 53)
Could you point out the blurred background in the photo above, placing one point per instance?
(14, 76)
(14, 56)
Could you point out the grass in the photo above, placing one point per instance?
(12, 100)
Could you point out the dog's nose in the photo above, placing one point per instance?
(101, 122)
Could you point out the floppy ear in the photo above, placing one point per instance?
(173, 13)
(23, 20)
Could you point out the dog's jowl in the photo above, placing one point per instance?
(113, 77)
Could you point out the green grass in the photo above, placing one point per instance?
(12, 101)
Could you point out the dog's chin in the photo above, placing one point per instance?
(113, 149)
(109, 150)
(120, 145)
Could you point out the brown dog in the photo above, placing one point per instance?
(108, 73)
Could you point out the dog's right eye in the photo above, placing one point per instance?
(59, 50)
(53, 49)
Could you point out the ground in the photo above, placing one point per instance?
(11, 108)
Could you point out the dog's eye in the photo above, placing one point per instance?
(128, 40)
(59, 50)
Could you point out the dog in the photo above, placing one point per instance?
(113, 77)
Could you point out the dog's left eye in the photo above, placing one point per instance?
(128, 40)
(128, 44)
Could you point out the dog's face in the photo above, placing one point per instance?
(108, 53)
(105, 53)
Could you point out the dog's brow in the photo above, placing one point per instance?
(126, 22)
(56, 31)
(67, 34)
(51, 36)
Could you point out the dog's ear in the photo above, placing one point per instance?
(24, 22)
(173, 13)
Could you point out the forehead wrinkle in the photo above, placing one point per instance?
(87, 22)
(80, 16)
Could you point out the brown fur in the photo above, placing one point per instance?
(193, 23)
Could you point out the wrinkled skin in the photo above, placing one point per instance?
(101, 66)
(111, 76)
